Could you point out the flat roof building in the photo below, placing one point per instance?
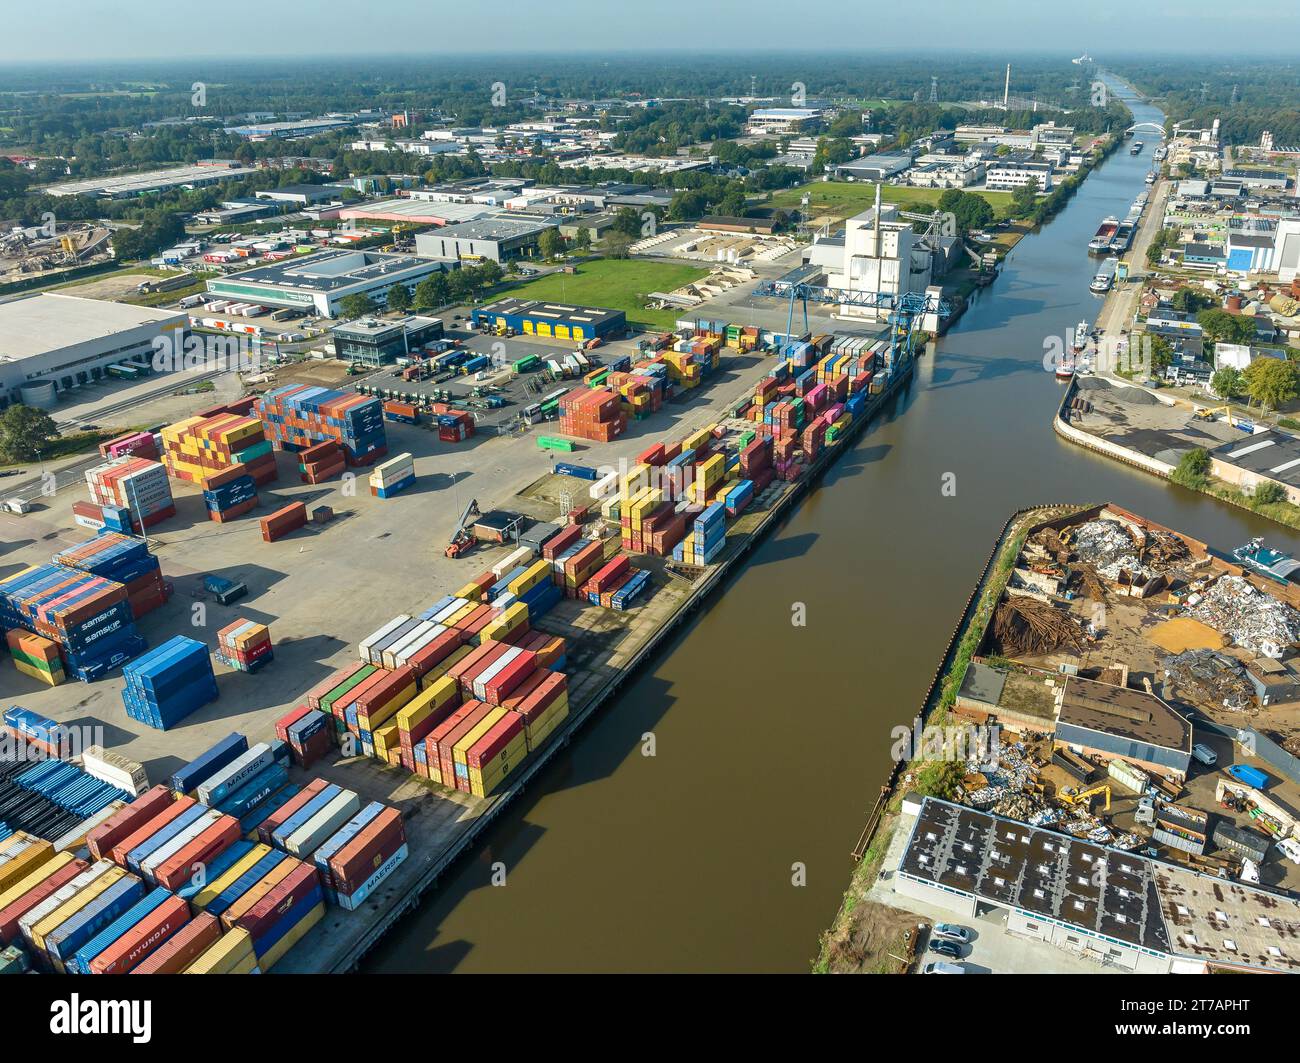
(417, 211)
(51, 343)
(126, 186)
(1263, 457)
(299, 194)
(534, 317)
(496, 238)
(375, 342)
(320, 282)
(1117, 907)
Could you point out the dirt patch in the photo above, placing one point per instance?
(325, 373)
(1184, 633)
(874, 939)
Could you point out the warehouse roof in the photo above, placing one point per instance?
(1272, 454)
(537, 308)
(148, 181)
(1124, 712)
(36, 324)
(495, 229)
(1038, 871)
(328, 270)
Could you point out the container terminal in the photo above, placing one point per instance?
(587, 564)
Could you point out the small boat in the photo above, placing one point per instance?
(1272, 563)
(1082, 333)
(1136, 149)
(1065, 367)
(1151, 177)
(1101, 283)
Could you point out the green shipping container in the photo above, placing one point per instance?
(327, 702)
(551, 443)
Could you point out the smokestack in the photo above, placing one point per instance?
(877, 222)
(1006, 91)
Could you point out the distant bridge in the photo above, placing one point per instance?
(1155, 127)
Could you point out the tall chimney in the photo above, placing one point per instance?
(1006, 91)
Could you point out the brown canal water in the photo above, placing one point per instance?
(771, 740)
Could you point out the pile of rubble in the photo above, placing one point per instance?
(1024, 627)
(1250, 618)
(1109, 547)
(1209, 678)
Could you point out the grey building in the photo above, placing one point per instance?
(376, 342)
(497, 239)
(1119, 723)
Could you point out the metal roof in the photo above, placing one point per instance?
(37, 324)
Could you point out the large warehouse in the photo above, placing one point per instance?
(495, 238)
(532, 317)
(51, 343)
(322, 281)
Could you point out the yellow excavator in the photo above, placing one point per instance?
(1210, 413)
(1084, 797)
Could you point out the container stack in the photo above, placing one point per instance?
(299, 416)
(245, 645)
(168, 683)
(199, 447)
(321, 462)
(361, 855)
(136, 484)
(132, 444)
(88, 616)
(283, 521)
(707, 539)
(36, 656)
(455, 427)
(125, 560)
(402, 412)
(229, 495)
(307, 732)
(592, 413)
(394, 475)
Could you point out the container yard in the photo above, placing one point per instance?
(444, 712)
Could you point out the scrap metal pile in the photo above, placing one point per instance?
(1024, 626)
(1250, 618)
(1209, 678)
(1111, 548)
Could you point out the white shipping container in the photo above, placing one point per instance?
(489, 673)
(75, 838)
(175, 844)
(415, 635)
(412, 647)
(512, 560)
(363, 647)
(451, 610)
(62, 895)
(116, 770)
(313, 834)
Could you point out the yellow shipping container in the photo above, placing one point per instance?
(536, 573)
(440, 670)
(222, 956)
(460, 614)
(259, 890)
(636, 480)
(426, 703)
(23, 862)
(489, 721)
(385, 740)
(698, 439)
(484, 781)
(472, 591)
(276, 952)
(214, 889)
(71, 907)
(39, 875)
(542, 733)
(381, 714)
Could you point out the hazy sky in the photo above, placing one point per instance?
(172, 29)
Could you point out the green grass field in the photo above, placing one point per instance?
(614, 284)
(843, 199)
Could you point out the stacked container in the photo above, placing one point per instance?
(132, 444)
(245, 645)
(592, 413)
(35, 656)
(283, 521)
(125, 560)
(321, 462)
(137, 484)
(392, 476)
(299, 416)
(229, 494)
(361, 855)
(707, 539)
(455, 427)
(167, 684)
(88, 616)
(200, 447)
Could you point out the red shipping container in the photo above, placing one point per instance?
(610, 571)
(180, 868)
(353, 864)
(283, 521)
(280, 899)
(136, 944)
(291, 717)
(470, 663)
(281, 814)
(101, 839)
(330, 682)
(150, 828)
(341, 704)
(382, 693)
(10, 915)
(426, 658)
(445, 743)
(541, 699)
(510, 677)
(499, 736)
(560, 542)
(525, 689)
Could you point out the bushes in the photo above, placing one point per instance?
(1193, 469)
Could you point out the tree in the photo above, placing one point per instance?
(1024, 199)
(355, 306)
(24, 432)
(432, 292)
(399, 298)
(1228, 383)
(1271, 382)
(491, 273)
(1217, 325)
(1267, 492)
(615, 245)
(1193, 468)
(582, 240)
(549, 243)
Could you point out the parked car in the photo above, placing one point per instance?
(1205, 755)
(941, 967)
(943, 947)
(952, 932)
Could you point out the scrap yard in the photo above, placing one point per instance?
(245, 618)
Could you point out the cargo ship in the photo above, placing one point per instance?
(1136, 149)
(1101, 283)
(1100, 243)
(1123, 237)
(1151, 177)
(1082, 332)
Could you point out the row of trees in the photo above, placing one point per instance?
(434, 292)
(1271, 382)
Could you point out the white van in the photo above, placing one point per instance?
(940, 967)
(1205, 755)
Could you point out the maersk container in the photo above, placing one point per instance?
(254, 792)
(341, 837)
(351, 902)
(309, 837)
(236, 773)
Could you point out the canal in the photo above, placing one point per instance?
(727, 849)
